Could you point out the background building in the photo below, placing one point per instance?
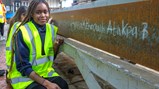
(13, 5)
(54, 4)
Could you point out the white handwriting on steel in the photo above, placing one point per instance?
(144, 31)
(125, 29)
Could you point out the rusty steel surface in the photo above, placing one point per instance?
(129, 30)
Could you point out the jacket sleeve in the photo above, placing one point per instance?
(22, 56)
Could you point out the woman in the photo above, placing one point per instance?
(14, 23)
(34, 51)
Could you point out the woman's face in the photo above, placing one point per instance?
(22, 17)
(41, 14)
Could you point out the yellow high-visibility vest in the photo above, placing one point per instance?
(9, 44)
(41, 64)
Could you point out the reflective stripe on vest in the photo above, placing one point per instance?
(32, 43)
(42, 60)
(20, 79)
(23, 79)
(1, 16)
(53, 37)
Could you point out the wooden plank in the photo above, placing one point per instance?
(127, 28)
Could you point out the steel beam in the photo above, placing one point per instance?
(127, 28)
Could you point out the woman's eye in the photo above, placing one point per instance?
(40, 12)
(45, 12)
(37, 12)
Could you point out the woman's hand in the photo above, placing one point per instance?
(57, 44)
(59, 41)
(50, 85)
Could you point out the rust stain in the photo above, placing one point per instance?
(130, 30)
